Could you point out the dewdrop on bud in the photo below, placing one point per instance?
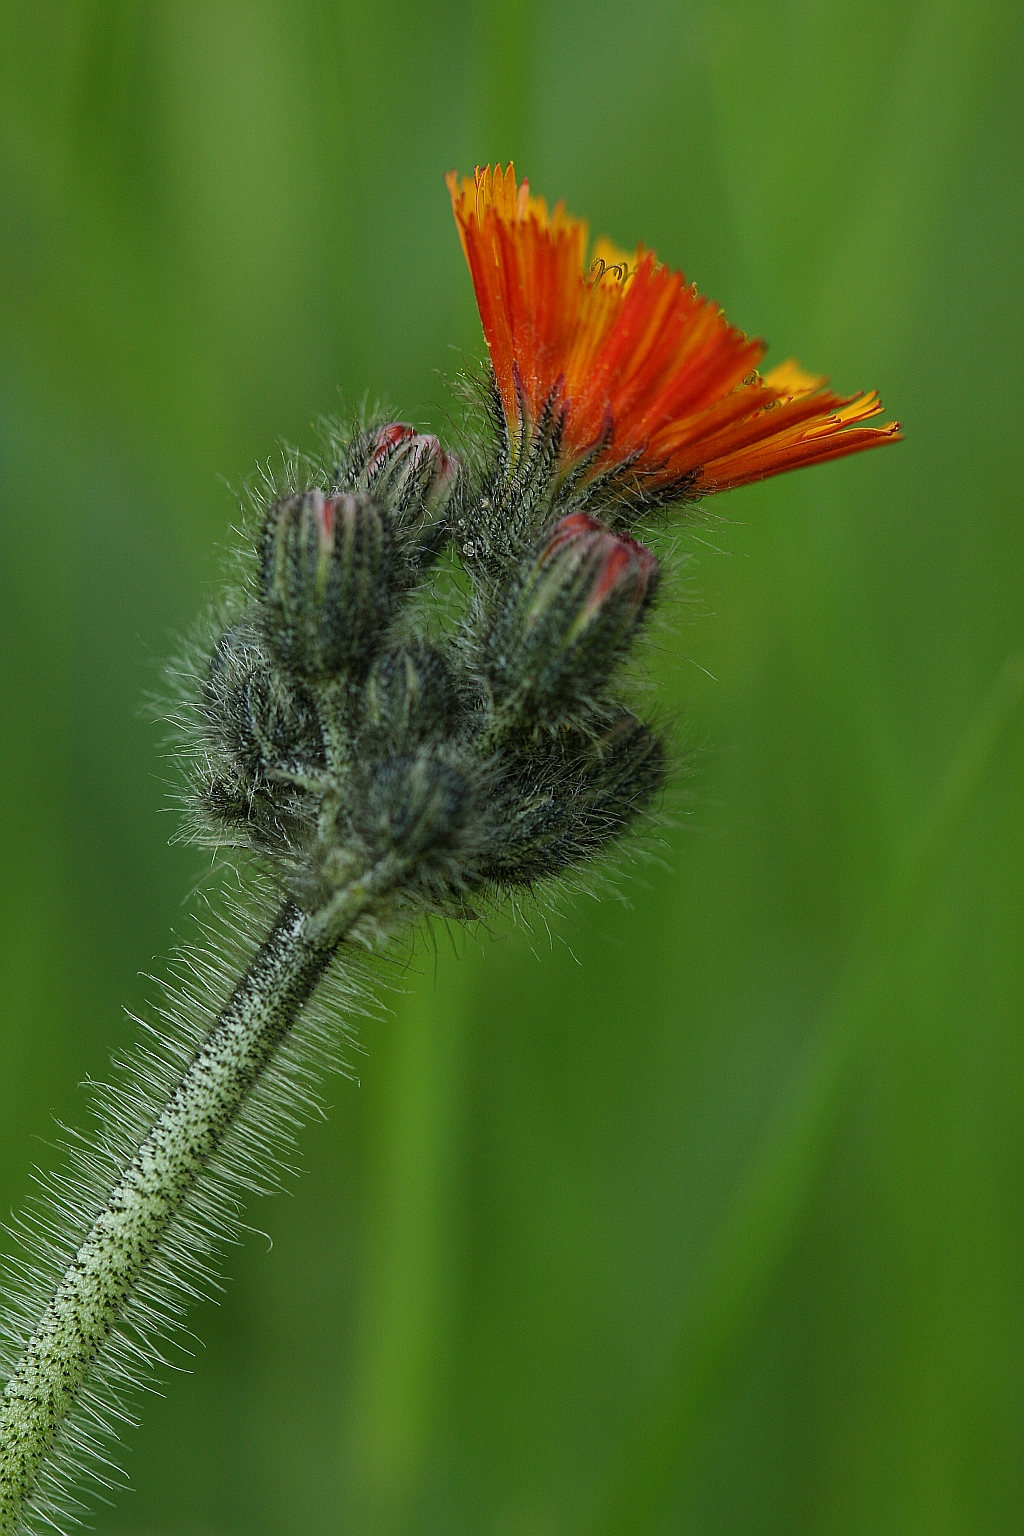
(327, 592)
(408, 471)
(568, 617)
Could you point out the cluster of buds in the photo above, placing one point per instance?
(385, 752)
(345, 732)
(345, 736)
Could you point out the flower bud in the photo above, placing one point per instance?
(568, 617)
(575, 791)
(416, 806)
(408, 469)
(409, 697)
(327, 581)
(260, 718)
(624, 767)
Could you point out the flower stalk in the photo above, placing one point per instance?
(105, 1270)
(379, 760)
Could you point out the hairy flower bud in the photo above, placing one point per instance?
(409, 470)
(567, 618)
(327, 581)
(624, 767)
(261, 718)
(558, 804)
(409, 697)
(416, 805)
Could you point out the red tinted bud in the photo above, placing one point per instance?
(409, 470)
(326, 587)
(383, 438)
(587, 576)
(569, 616)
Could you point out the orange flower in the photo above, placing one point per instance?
(639, 368)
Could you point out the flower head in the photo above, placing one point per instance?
(636, 367)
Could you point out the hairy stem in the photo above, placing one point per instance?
(91, 1297)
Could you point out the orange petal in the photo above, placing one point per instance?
(632, 355)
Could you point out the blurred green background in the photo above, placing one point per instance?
(489, 1307)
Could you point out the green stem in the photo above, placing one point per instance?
(102, 1276)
